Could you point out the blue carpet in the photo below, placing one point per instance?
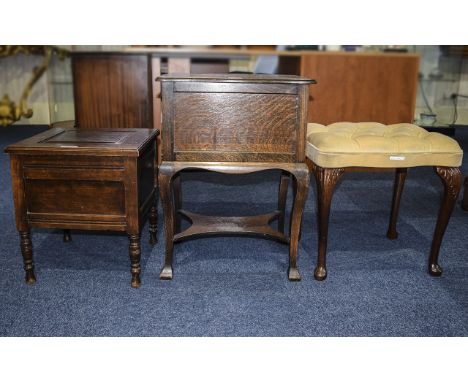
(232, 286)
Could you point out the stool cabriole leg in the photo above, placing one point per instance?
(66, 236)
(327, 179)
(153, 223)
(400, 176)
(135, 256)
(168, 208)
(465, 195)
(301, 188)
(282, 196)
(26, 251)
(451, 178)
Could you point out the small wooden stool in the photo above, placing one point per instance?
(334, 149)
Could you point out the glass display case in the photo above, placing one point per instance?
(439, 98)
(60, 83)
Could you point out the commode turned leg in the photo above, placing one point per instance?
(327, 179)
(135, 256)
(451, 178)
(400, 176)
(27, 252)
(153, 222)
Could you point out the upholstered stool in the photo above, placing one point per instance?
(334, 149)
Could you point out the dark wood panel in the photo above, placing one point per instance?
(65, 173)
(217, 156)
(264, 123)
(94, 225)
(112, 91)
(50, 217)
(289, 65)
(57, 196)
(357, 88)
(146, 174)
(70, 162)
(80, 137)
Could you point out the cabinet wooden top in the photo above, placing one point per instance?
(99, 142)
(238, 78)
(234, 53)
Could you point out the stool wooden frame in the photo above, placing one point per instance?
(328, 178)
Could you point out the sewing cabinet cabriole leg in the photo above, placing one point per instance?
(301, 188)
(282, 196)
(400, 176)
(26, 251)
(177, 192)
(451, 178)
(327, 179)
(165, 176)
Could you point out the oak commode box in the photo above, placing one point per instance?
(233, 124)
(87, 179)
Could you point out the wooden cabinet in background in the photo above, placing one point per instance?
(119, 89)
(112, 90)
(360, 87)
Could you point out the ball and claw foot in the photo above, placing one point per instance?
(136, 282)
(30, 277)
(392, 235)
(435, 270)
(293, 274)
(166, 273)
(320, 273)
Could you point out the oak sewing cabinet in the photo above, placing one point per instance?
(235, 124)
(86, 179)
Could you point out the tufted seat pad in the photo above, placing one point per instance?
(371, 144)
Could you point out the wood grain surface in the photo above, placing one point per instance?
(112, 91)
(360, 88)
(261, 122)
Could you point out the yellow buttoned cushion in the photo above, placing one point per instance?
(371, 144)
